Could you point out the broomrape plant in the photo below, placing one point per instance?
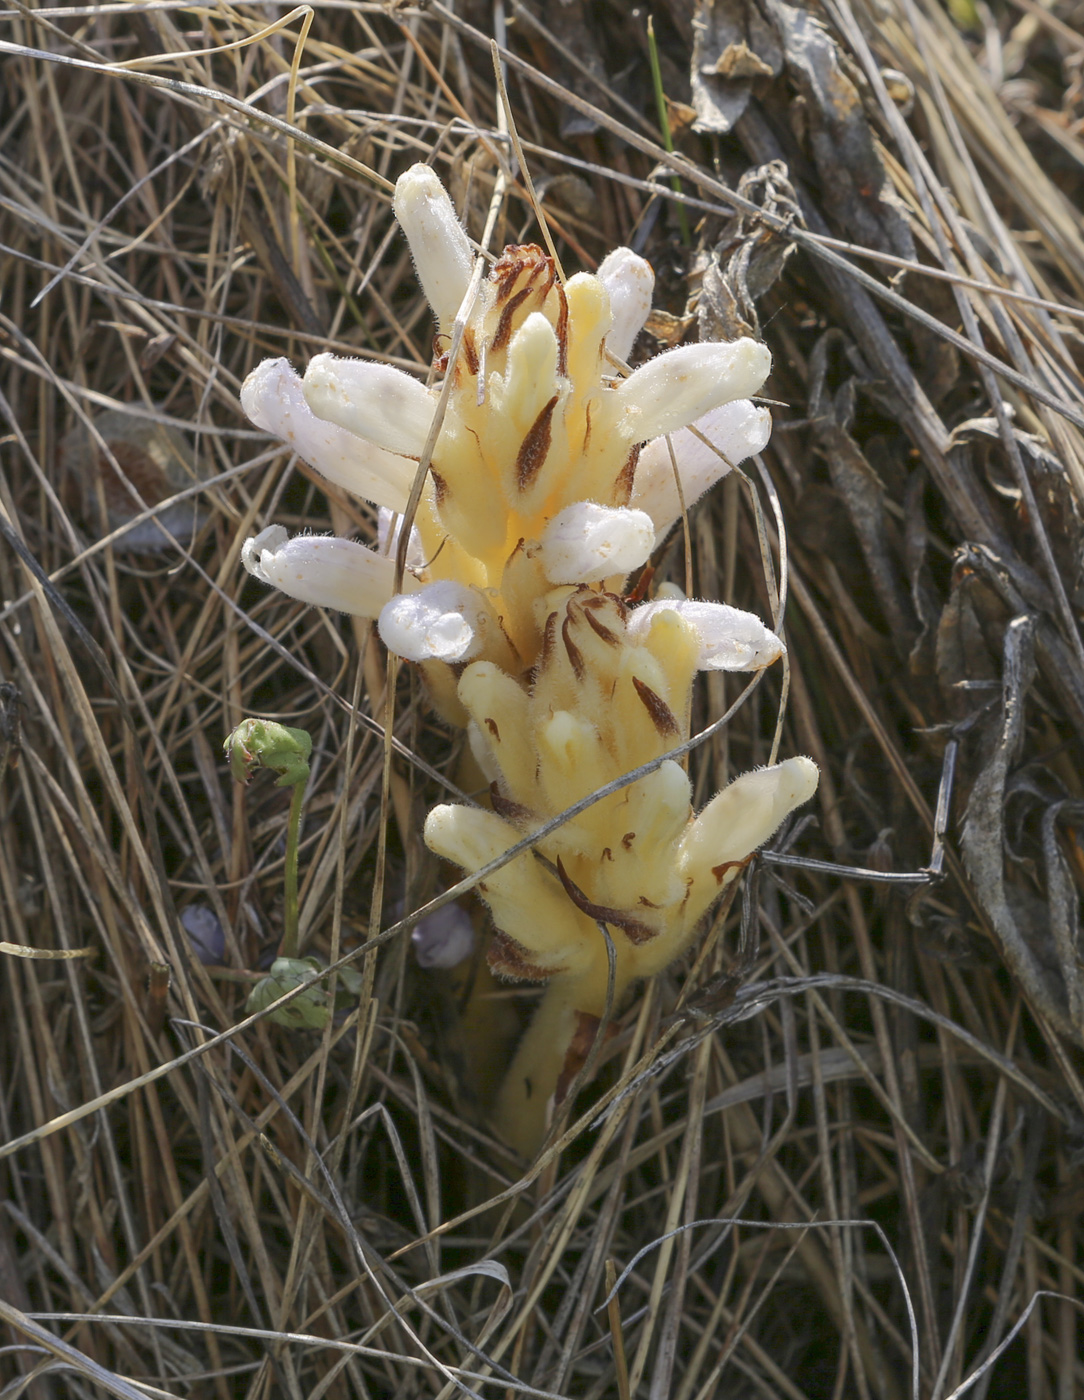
(554, 474)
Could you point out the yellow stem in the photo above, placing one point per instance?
(521, 1111)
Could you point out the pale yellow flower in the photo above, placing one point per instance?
(608, 697)
(551, 481)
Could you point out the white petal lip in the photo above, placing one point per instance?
(273, 398)
(444, 621)
(377, 402)
(730, 639)
(322, 570)
(739, 430)
(630, 281)
(678, 387)
(587, 542)
(442, 252)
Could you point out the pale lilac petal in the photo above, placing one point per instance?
(443, 939)
(205, 933)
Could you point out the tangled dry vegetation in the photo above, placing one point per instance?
(889, 193)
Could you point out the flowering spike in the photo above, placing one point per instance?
(442, 253)
(322, 570)
(377, 402)
(630, 282)
(273, 398)
(586, 542)
(551, 479)
(678, 387)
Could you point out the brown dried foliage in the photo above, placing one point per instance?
(891, 196)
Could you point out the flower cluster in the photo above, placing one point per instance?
(555, 472)
(549, 467)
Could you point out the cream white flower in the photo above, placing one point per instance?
(586, 542)
(443, 621)
(735, 431)
(630, 282)
(679, 386)
(730, 639)
(376, 402)
(274, 400)
(442, 253)
(521, 895)
(322, 570)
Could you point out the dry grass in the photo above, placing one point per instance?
(300, 1214)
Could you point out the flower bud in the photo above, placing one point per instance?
(265, 743)
(730, 639)
(442, 253)
(738, 820)
(377, 402)
(680, 386)
(444, 621)
(630, 282)
(322, 570)
(273, 398)
(586, 542)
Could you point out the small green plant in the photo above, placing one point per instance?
(258, 743)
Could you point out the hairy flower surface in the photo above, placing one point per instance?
(608, 697)
(611, 693)
(555, 472)
(549, 466)
(323, 570)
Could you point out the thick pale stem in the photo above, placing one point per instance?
(521, 1111)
